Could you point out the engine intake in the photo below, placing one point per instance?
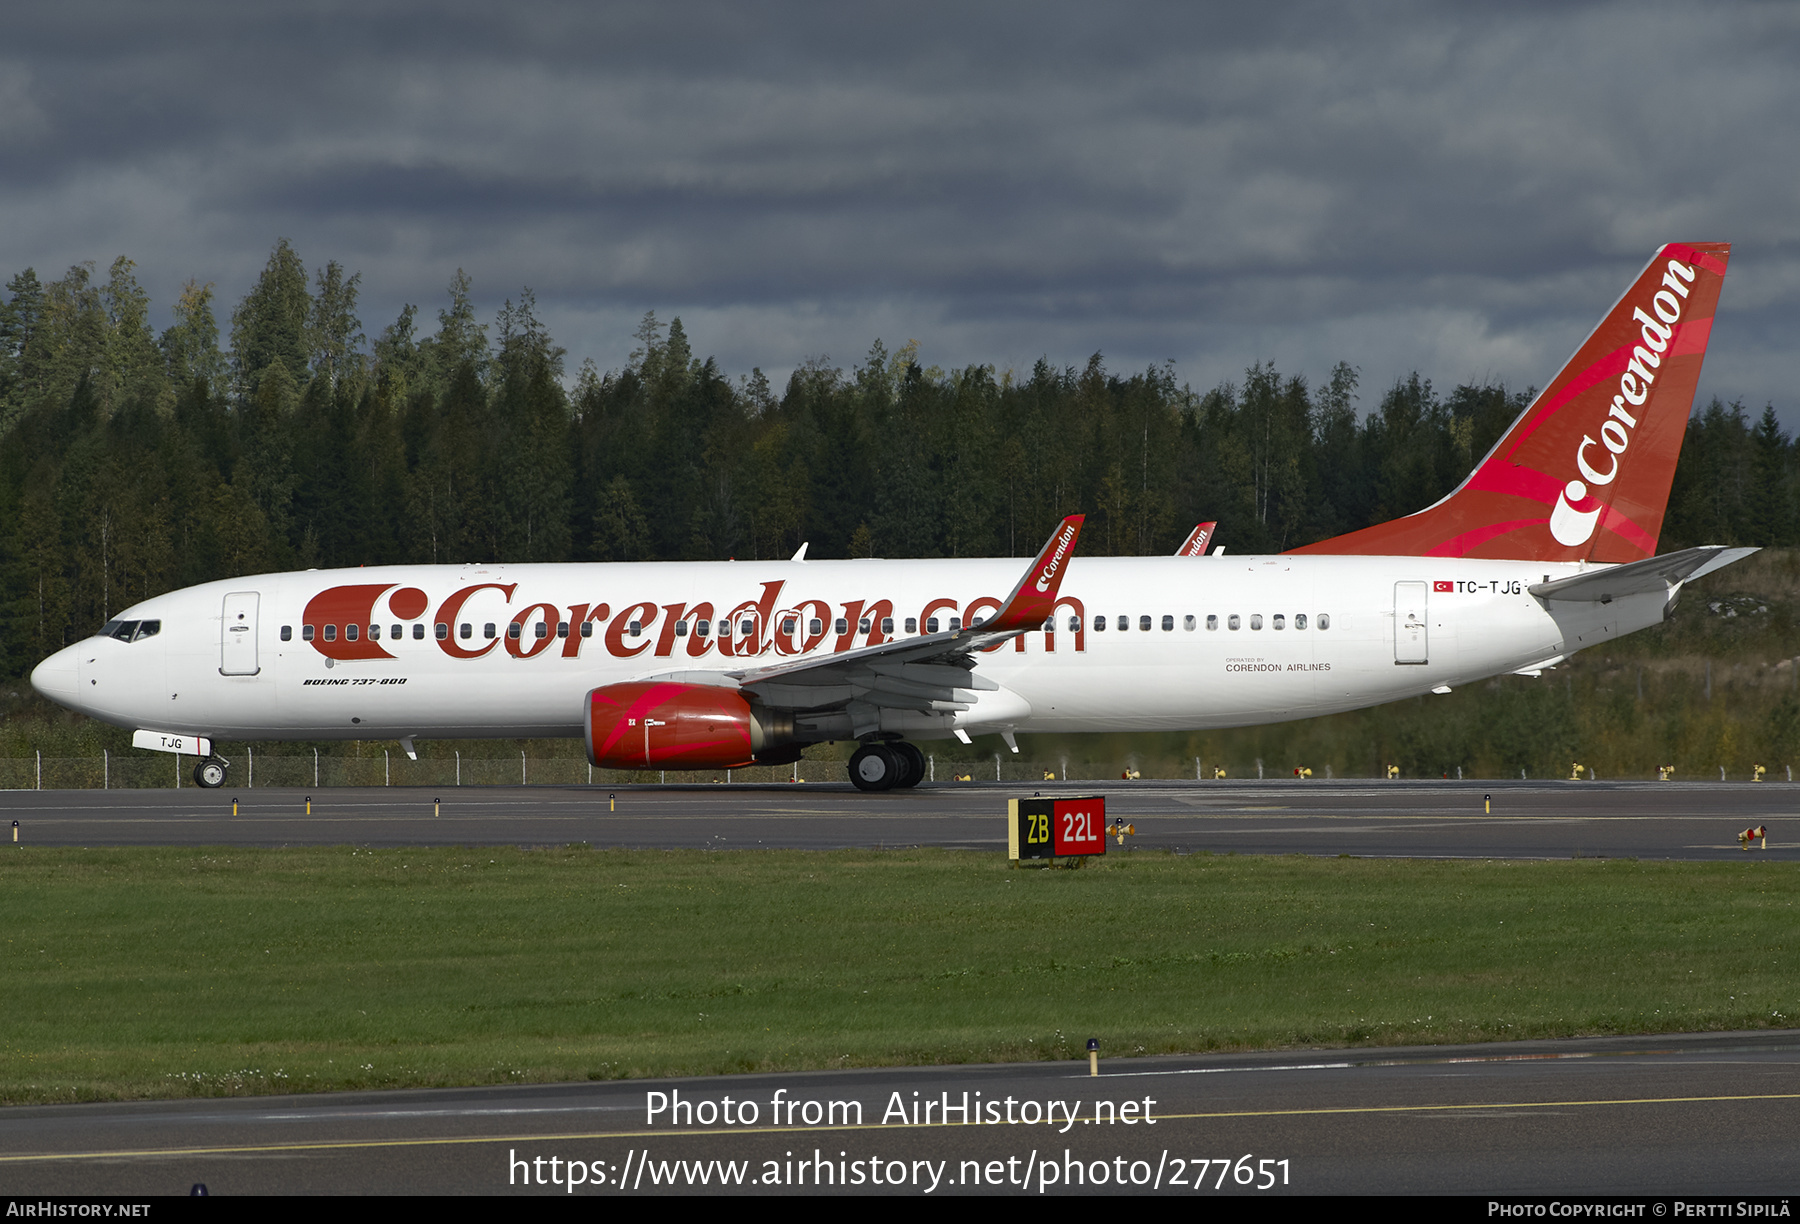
(660, 724)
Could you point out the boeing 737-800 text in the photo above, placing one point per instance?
(1547, 548)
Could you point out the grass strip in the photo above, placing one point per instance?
(171, 972)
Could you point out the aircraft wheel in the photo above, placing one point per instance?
(210, 773)
(912, 764)
(874, 767)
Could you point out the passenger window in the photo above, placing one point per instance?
(1256, 620)
(487, 630)
(1187, 622)
(955, 623)
(787, 626)
(634, 628)
(1212, 621)
(419, 632)
(287, 633)
(1099, 624)
(701, 627)
(542, 629)
(1074, 624)
(466, 629)
(1232, 622)
(681, 629)
(306, 633)
(1124, 623)
(1280, 621)
(912, 624)
(442, 631)
(1168, 623)
(839, 625)
(1300, 621)
(1144, 624)
(1324, 620)
(374, 633)
(587, 628)
(931, 624)
(396, 632)
(815, 627)
(747, 627)
(887, 626)
(512, 631)
(331, 633)
(864, 625)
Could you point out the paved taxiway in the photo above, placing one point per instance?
(1392, 819)
(1700, 1114)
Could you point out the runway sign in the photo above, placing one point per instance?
(1052, 828)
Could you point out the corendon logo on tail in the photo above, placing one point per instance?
(1578, 504)
(1063, 541)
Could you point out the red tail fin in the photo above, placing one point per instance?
(1584, 473)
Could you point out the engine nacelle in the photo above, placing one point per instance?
(663, 724)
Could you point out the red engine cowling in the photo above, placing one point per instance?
(662, 724)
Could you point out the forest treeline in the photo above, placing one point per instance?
(133, 463)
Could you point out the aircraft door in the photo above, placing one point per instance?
(237, 652)
(1410, 644)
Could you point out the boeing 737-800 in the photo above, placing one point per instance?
(1548, 547)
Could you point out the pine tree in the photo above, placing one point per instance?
(334, 330)
(190, 345)
(272, 321)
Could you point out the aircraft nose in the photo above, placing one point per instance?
(57, 677)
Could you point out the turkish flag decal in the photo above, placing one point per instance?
(1443, 586)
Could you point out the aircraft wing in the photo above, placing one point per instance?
(932, 674)
(1641, 577)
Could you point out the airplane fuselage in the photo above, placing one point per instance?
(1139, 643)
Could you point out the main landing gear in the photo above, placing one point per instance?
(883, 766)
(210, 773)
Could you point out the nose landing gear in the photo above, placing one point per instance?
(210, 773)
(883, 766)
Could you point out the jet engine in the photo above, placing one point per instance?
(664, 724)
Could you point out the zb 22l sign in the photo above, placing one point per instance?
(1053, 828)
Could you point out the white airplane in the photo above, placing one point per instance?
(1547, 548)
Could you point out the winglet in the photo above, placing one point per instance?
(1195, 545)
(1033, 601)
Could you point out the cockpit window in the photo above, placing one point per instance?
(130, 631)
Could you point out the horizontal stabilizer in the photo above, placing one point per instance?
(1652, 574)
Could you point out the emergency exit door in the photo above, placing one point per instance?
(237, 652)
(1410, 637)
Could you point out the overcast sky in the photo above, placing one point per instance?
(1456, 189)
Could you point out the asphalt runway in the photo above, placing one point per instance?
(1677, 820)
(1705, 1114)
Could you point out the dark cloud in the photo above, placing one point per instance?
(1457, 189)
